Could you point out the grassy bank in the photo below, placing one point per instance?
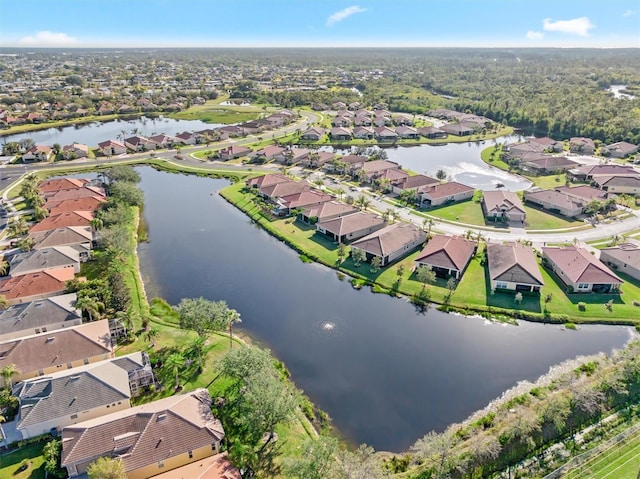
(62, 123)
(213, 112)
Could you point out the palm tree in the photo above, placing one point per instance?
(175, 361)
(151, 335)
(3, 302)
(90, 305)
(198, 345)
(8, 372)
(4, 267)
(232, 317)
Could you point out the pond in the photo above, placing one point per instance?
(617, 92)
(384, 372)
(93, 133)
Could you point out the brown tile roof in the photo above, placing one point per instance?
(267, 180)
(214, 467)
(498, 199)
(607, 170)
(74, 193)
(626, 253)
(57, 348)
(579, 265)
(416, 181)
(26, 286)
(551, 162)
(69, 218)
(583, 192)
(628, 181)
(351, 223)
(57, 184)
(451, 252)
(390, 239)
(442, 190)
(90, 203)
(304, 198)
(62, 236)
(145, 434)
(353, 159)
(556, 198)
(379, 165)
(284, 189)
(514, 263)
(330, 208)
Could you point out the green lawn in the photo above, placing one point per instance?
(469, 212)
(213, 112)
(11, 463)
(538, 219)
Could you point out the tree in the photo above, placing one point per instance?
(317, 459)
(362, 202)
(359, 464)
(342, 252)
(4, 267)
(441, 174)
(400, 272)
(26, 244)
(4, 302)
(107, 468)
(90, 305)
(376, 262)
(152, 334)
(437, 450)
(176, 361)
(425, 275)
(518, 297)
(232, 317)
(52, 452)
(8, 372)
(358, 256)
(427, 224)
(204, 316)
(128, 193)
(124, 173)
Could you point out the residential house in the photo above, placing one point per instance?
(340, 134)
(458, 129)
(316, 159)
(547, 164)
(112, 148)
(347, 228)
(89, 203)
(149, 439)
(384, 133)
(352, 162)
(314, 133)
(75, 150)
(363, 133)
(444, 114)
(33, 286)
(432, 132)
(44, 259)
(555, 201)
(341, 122)
(268, 153)
(369, 170)
(42, 316)
(61, 399)
(286, 204)
(583, 193)
(414, 183)
(70, 218)
(513, 267)
(591, 172)
(362, 120)
(582, 146)
(164, 141)
(267, 180)
(74, 193)
(442, 193)
(382, 120)
(139, 143)
(338, 105)
(187, 138)
(402, 119)
(623, 257)
(126, 109)
(79, 238)
(38, 153)
(278, 190)
(407, 132)
(503, 205)
(296, 155)
(518, 150)
(50, 351)
(391, 242)
(619, 184)
(326, 211)
(551, 145)
(447, 256)
(619, 150)
(579, 270)
(233, 152)
(57, 184)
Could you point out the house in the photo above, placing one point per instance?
(295, 155)
(458, 129)
(503, 205)
(591, 172)
(163, 141)
(187, 138)
(369, 170)
(33, 286)
(447, 256)
(316, 159)
(314, 133)
(42, 316)
(44, 259)
(112, 148)
(442, 193)
(546, 164)
(583, 193)
(150, 439)
(381, 120)
(363, 133)
(232, 152)
(58, 184)
(402, 119)
(551, 145)
(340, 134)
(362, 120)
(391, 242)
(38, 153)
(353, 162)
(279, 190)
(70, 218)
(139, 143)
(347, 228)
(79, 238)
(271, 179)
(623, 257)
(326, 211)
(619, 184)
(76, 150)
(341, 121)
(582, 146)
(555, 201)
(268, 153)
(518, 150)
(384, 133)
(50, 351)
(407, 132)
(286, 204)
(513, 267)
(89, 203)
(414, 183)
(74, 193)
(579, 270)
(619, 150)
(432, 132)
(61, 399)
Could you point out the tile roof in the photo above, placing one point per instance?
(583, 192)
(74, 193)
(416, 181)
(68, 235)
(57, 184)
(304, 198)
(390, 239)
(626, 253)
(329, 208)
(499, 199)
(284, 189)
(451, 252)
(555, 198)
(49, 282)
(89, 203)
(579, 265)
(267, 180)
(69, 218)
(213, 467)
(442, 190)
(351, 223)
(514, 263)
(145, 434)
(43, 259)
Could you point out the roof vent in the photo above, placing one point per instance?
(50, 338)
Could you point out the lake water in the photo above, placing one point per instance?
(385, 373)
(93, 133)
(617, 92)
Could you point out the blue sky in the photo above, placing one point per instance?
(213, 23)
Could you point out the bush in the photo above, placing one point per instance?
(570, 326)
(582, 306)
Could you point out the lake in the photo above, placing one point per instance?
(617, 92)
(93, 133)
(384, 372)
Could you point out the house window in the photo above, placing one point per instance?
(44, 330)
(190, 454)
(69, 365)
(40, 372)
(37, 330)
(501, 285)
(86, 361)
(583, 286)
(74, 416)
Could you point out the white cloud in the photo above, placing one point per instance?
(628, 13)
(47, 38)
(577, 26)
(531, 35)
(342, 14)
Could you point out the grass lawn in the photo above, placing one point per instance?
(538, 219)
(11, 463)
(213, 112)
(469, 212)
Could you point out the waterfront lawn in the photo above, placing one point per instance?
(11, 463)
(538, 219)
(213, 112)
(469, 212)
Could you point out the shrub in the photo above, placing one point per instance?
(582, 306)
(570, 326)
